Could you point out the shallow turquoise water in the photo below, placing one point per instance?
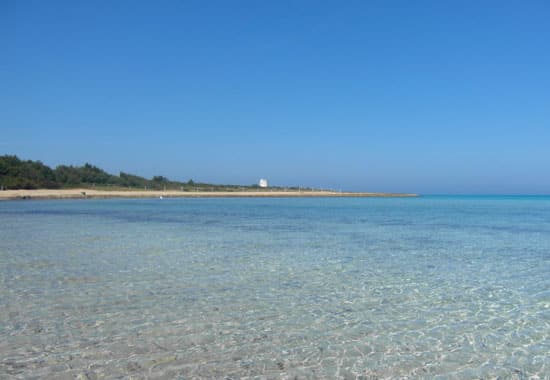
(456, 287)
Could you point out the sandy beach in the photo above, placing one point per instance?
(94, 194)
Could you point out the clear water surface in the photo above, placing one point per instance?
(354, 288)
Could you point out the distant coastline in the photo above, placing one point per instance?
(106, 194)
(20, 180)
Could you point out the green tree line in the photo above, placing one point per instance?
(20, 174)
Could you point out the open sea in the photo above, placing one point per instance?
(284, 288)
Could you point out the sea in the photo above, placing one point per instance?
(434, 287)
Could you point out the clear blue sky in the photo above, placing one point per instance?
(407, 96)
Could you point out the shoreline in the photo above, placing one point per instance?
(41, 194)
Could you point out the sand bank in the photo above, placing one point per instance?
(88, 193)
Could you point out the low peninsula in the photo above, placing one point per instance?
(21, 180)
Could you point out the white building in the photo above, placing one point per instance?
(262, 183)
